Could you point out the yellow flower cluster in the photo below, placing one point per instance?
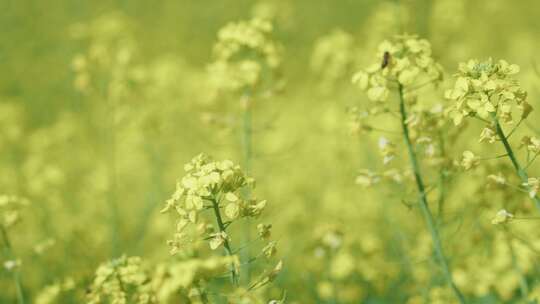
(109, 56)
(333, 56)
(485, 88)
(497, 270)
(10, 207)
(337, 269)
(244, 55)
(210, 185)
(405, 60)
(51, 293)
(216, 187)
(184, 277)
(121, 281)
(437, 295)
(441, 226)
(469, 160)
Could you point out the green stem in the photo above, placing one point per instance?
(110, 162)
(523, 286)
(157, 193)
(519, 170)
(247, 137)
(442, 181)
(514, 129)
(399, 18)
(247, 134)
(531, 161)
(424, 206)
(204, 296)
(16, 276)
(111, 196)
(226, 244)
(120, 283)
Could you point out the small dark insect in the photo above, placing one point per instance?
(386, 60)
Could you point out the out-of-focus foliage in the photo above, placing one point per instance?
(103, 103)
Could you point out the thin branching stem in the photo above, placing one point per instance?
(383, 130)
(514, 129)
(531, 161)
(226, 244)
(422, 85)
(493, 157)
(519, 170)
(532, 127)
(423, 202)
(16, 276)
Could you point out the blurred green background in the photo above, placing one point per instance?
(87, 160)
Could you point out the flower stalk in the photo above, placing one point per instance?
(247, 135)
(511, 155)
(423, 202)
(523, 286)
(247, 138)
(16, 276)
(442, 181)
(226, 244)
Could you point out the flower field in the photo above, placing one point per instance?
(270, 151)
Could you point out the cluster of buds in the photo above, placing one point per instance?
(244, 55)
(333, 57)
(185, 278)
(52, 293)
(487, 88)
(214, 185)
(109, 56)
(121, 281)
(405, 60)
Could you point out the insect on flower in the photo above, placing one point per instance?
(386, 60)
